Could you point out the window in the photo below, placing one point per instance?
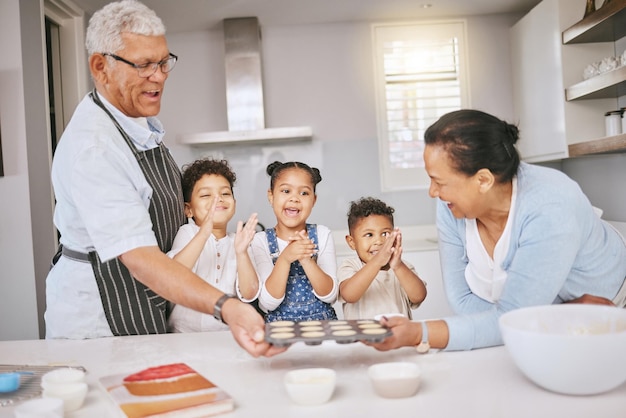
(420, 75)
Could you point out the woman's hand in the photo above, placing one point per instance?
(405, 334)
(592, 300)
(248, 328)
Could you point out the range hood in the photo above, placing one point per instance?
(244, 92)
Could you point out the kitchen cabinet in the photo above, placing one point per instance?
(550, 47)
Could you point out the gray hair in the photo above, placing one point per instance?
(104, 33)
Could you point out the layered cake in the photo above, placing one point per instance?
(165, 380)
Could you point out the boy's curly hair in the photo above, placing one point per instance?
(196, 170)
(365, 207)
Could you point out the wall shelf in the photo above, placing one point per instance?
(604, 86)
(607, 145)
(607, 24)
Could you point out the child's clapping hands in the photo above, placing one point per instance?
(389, 254)
(300, 248)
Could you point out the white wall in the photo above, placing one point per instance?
(18, 301)
(320, 76)
(601, 177)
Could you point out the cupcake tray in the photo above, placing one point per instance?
(284, 333)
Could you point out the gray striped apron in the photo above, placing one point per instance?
(131, 308)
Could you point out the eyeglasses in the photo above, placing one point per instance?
(148, 69)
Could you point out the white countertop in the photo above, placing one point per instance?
(482, 383)
(414, 238)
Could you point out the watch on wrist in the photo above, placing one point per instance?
(217, 309)
(424, 346)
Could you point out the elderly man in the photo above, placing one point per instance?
(119, 200)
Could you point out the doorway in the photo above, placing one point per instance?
(65, 78)
(55, 87)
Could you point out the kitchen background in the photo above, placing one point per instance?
(314, 74)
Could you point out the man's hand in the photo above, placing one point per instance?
(248, 328)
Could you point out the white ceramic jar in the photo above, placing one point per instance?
(613, 122)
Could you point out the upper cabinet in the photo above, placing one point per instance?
(560, 115)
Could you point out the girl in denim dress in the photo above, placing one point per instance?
(295, 260)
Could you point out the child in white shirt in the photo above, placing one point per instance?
(377, 281)
(203, 245)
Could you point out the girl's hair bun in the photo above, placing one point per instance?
(273, 166)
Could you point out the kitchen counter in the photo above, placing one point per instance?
(482, 383)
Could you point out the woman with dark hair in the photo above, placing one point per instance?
(511, 235)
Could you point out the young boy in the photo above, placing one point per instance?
(378, 281)
(204, 246)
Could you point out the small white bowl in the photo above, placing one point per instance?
(62, 376)
(72, 394)
(310, 386)
(396, 379)
(574, 349)
(42, 407)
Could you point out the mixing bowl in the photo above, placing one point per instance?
(574, 349)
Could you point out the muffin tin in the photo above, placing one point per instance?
(284, 333)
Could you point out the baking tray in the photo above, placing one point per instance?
(284, 333)
(30, 385)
